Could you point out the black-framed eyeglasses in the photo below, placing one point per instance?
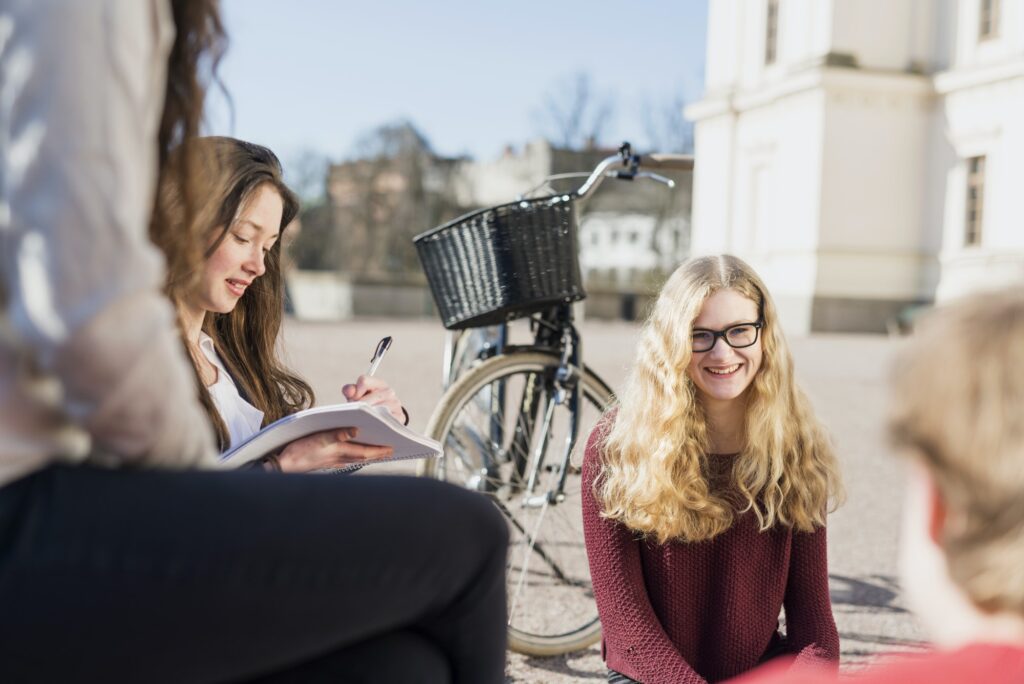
(736, 336)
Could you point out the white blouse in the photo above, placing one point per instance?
(243, 420)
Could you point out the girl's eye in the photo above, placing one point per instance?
(239, 239)
(701, 336)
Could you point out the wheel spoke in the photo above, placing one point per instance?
(501, 430)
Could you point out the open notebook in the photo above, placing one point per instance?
(375, 424)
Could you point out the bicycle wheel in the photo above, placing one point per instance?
(500, 423)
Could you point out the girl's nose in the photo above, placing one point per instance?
(256, 263)
(721, 349)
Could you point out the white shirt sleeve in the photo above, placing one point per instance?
(87, 341)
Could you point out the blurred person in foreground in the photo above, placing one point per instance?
(125, 555)
(957, 415)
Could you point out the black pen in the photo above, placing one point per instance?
(378, 354)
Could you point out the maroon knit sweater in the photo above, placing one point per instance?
(705, 611)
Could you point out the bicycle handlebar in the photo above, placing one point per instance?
(666, 162)
(629, 167)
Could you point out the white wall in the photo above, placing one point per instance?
(985, 119)
(874, 188)
(885, 35)
(721, 63)
(320, 295)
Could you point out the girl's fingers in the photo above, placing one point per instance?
(388, 400)
(368, 383)
(380, 397)
(366, 452)
(345, 434)
(364, 384)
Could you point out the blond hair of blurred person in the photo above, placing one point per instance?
(957, 416)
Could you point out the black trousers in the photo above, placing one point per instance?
(157, 576)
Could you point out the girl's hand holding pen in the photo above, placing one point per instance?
(335, 448)
(375, 391)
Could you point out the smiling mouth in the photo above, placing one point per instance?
(724, 372)
(237, 287)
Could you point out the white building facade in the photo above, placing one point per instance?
(862, 154)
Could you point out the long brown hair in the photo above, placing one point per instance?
(199, 44)
(227, 174)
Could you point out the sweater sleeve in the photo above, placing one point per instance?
(82, 315)
(810, 626)
(627, 618)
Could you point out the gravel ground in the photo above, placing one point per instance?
(844, 375)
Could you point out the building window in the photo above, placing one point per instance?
(988, 19)
(771, 32)
(975, 200)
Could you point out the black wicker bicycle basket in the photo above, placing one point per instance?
(504, 262)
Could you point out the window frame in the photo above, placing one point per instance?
(771, 31)
(974, 208)
(989, 16)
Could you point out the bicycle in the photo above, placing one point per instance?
(507, 406)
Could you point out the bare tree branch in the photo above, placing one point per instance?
(666, 127)
(573, 115)
(306, 174)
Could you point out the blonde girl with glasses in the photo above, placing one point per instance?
(706, 491)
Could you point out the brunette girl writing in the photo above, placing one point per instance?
(231, 308)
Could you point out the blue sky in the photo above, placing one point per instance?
(471, 75)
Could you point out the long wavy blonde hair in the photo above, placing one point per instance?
(654, 477)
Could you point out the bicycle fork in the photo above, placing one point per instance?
(564, 390)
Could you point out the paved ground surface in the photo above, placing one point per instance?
(845, 379)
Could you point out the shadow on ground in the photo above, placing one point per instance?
(866, 610)
(582, 666)
(874, 593)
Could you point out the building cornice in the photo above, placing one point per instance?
(829, 79)
(982, 255)
(962, 79)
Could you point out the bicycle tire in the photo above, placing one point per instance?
(559, 587)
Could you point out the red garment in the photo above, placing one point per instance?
(706, 611)
(974, 664)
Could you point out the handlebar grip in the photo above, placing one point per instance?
(666, 162)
